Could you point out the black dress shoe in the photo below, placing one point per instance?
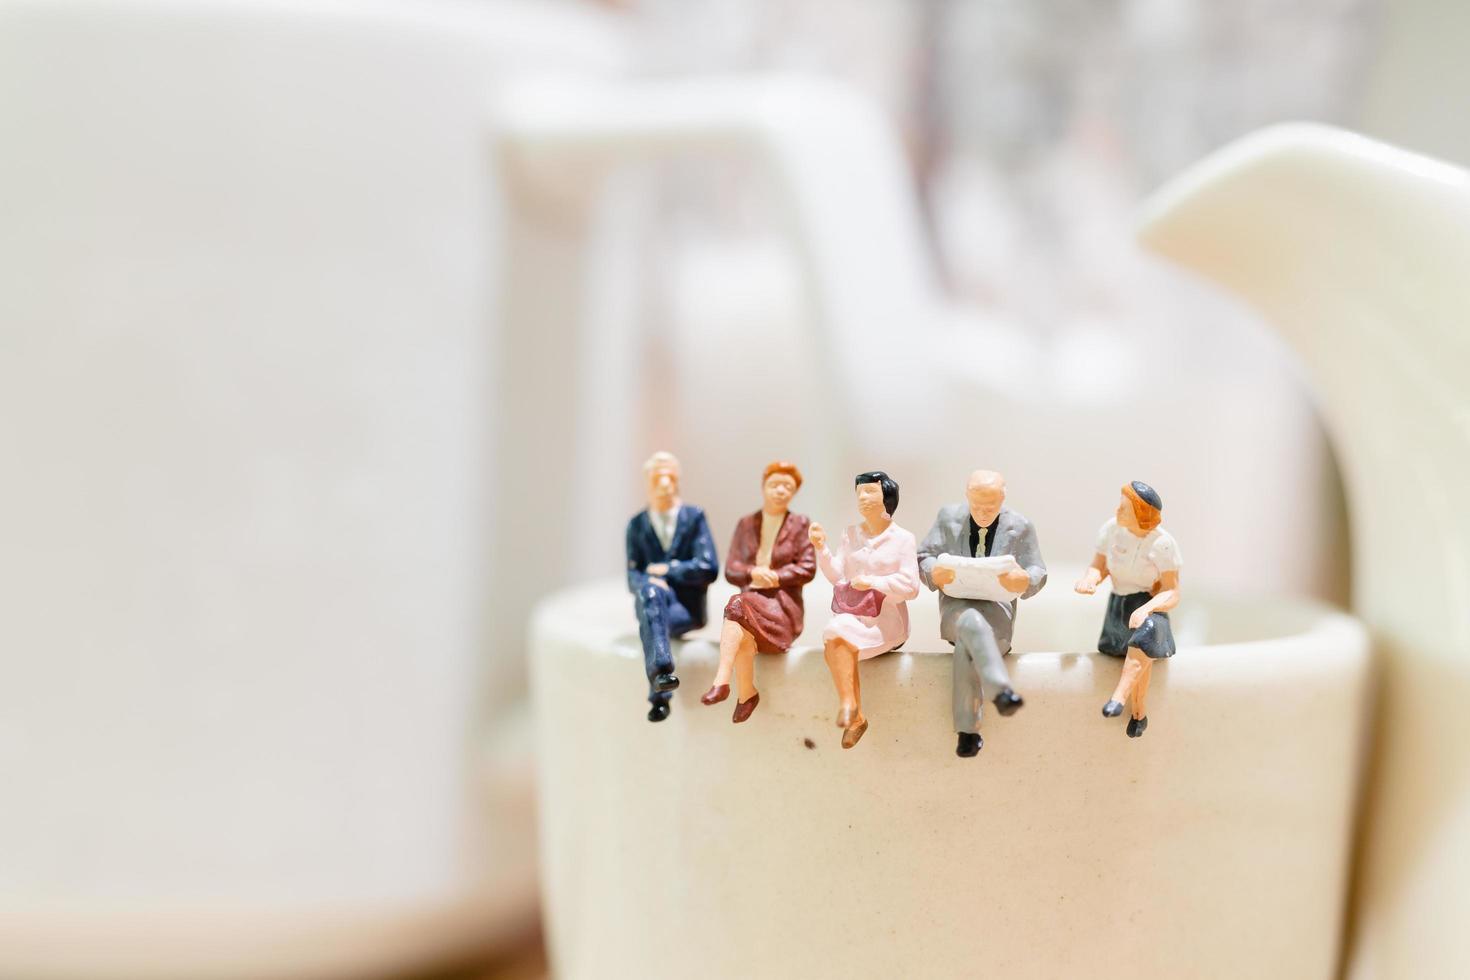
(665, 682)
(659, 711)
(1137, 726)
(1112, 709)
(1008, 702)
(968, 745)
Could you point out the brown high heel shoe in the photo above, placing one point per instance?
(715, 694)
(744, 709)
(853, 732)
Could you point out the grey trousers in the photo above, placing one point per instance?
(979, 662)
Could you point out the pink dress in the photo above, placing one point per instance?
(891, 559)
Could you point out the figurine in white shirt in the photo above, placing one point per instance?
(874, 573)
(1143, 562)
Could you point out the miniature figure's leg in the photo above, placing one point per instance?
(658, 615)
(679, 619)
(1132, 667)
(967, 693)
(732, 636)
(842, 662)
(975, 632)
(744, 666)
(1140, 689)
(653, 628)
(856, 723)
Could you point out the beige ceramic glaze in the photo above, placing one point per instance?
(1215, 846)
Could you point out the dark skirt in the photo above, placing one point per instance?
(771, 616)
(1155, 637)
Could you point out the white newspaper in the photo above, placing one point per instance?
(978, 578)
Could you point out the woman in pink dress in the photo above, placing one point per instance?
(874, 574)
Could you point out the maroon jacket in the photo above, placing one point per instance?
(773, 616)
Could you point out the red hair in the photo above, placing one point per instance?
(1146, 514)
(782, 466)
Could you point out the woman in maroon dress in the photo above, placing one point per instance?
(770, 560)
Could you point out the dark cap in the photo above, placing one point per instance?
(1147, 494)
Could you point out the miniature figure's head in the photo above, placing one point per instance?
(662, 473)
(1141, 510)
(877, 494)
(779, 484)
(986, 492)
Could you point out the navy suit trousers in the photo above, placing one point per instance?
(660, 616)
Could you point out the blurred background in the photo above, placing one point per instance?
(335, 335)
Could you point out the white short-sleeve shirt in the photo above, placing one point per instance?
(1135, 563)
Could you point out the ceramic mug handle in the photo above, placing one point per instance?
(835, 162)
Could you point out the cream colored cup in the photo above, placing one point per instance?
(1214, 846)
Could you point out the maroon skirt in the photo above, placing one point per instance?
(772, 616)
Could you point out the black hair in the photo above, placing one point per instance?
(890, 488)
(1147, 494)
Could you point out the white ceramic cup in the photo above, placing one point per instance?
(1217, 845)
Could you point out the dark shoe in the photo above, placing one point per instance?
(969, 745)
(1137, 726)
(1112, 709)
(1008, 702)
(716, 694)
(853, 732)
(663, 683)
(659, 711)
(744, 709)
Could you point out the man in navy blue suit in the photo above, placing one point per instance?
(671, 563)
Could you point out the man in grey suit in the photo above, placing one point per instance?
(980, 629)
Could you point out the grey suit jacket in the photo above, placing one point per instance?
(950, 535)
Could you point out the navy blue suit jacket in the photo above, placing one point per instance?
(691, 558)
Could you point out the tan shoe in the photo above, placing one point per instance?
(853, 732)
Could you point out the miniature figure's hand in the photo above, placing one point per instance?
(818, 536)
(1015, 580)
(862, 582)
(659, 582)
(1087, 584)
(1139, 617)
(658, 568)
(763, 578)
(941, 576)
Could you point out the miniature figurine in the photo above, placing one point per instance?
(1144, 562)
(671, 563)
(771, 560)
(982, 557)
(874, 574)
